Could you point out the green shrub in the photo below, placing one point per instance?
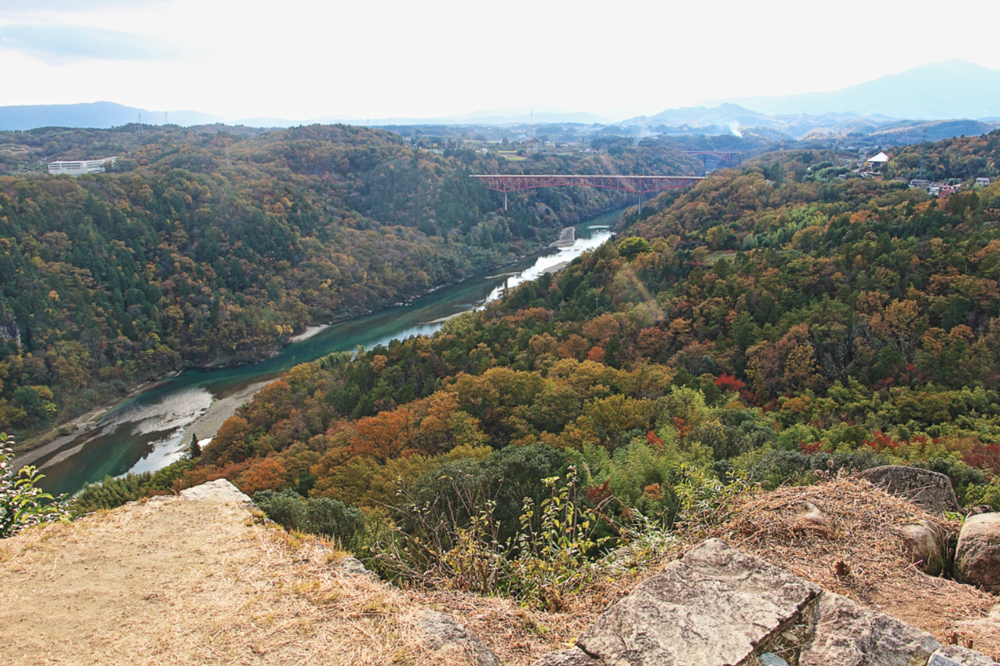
(22, 502)
(962, 476)
(285, 507)
(454, 492)
(780, 467)
(552, 553)
(984, 494)
(332, 518)
(317, 515)
(114, 492)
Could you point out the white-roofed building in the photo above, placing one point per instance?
(80, 167)
(876, 162)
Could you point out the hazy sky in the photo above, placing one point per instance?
(297, 59)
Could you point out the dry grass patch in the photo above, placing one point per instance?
(519, 635)
(860, 555)
(182, 582)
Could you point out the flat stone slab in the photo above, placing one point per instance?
(713, 607)
(929, 490)
(953, 655)
(220, 490)
(849, 634)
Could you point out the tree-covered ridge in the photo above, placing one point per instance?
(961, 158)
(746, 328)
(212, 248)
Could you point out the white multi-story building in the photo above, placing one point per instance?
(80, 167)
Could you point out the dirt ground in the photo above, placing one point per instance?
(182, 582)
(173, 581)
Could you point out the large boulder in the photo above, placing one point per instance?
(927, 545)
(219, 490)
(719, 607)
(929, 490)
(849, 634)
(713, 607)
(977, 557)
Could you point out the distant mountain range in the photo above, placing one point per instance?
(108, 114)
(97, 114)
(728, 118)
(949, 89)
(932, 101)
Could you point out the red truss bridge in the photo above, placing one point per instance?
(638, 184)
(722, 155)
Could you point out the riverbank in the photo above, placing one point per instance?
(159, 425)
(566, 237)
(223, 406)
(308, 333)
(54, 439)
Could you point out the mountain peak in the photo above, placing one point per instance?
(940, 90)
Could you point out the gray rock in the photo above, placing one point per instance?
(953, 655)
(771, 659)
(929, 490)
(574, 657)
(443, 631)
(220, 490)
(977, 557)
(713, 607)
(351, 566)
(813, 520)
(927, 545)
(848, 634)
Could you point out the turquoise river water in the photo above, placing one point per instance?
(149, 431)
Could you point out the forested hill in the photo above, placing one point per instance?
(211, 246)
(750, 330)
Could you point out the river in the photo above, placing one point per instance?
(152, 429)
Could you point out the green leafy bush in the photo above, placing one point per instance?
(22, 502)
(317, 515)
(554, 549)
(984, 494)
(285, 507)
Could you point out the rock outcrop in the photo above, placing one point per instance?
(220, 490)
(953, 655)
(712, 607)
(929, 490)
(977, 557)
(848, 634)
(573, 657)
(443, 632)
(717, 606)
(813, 520)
